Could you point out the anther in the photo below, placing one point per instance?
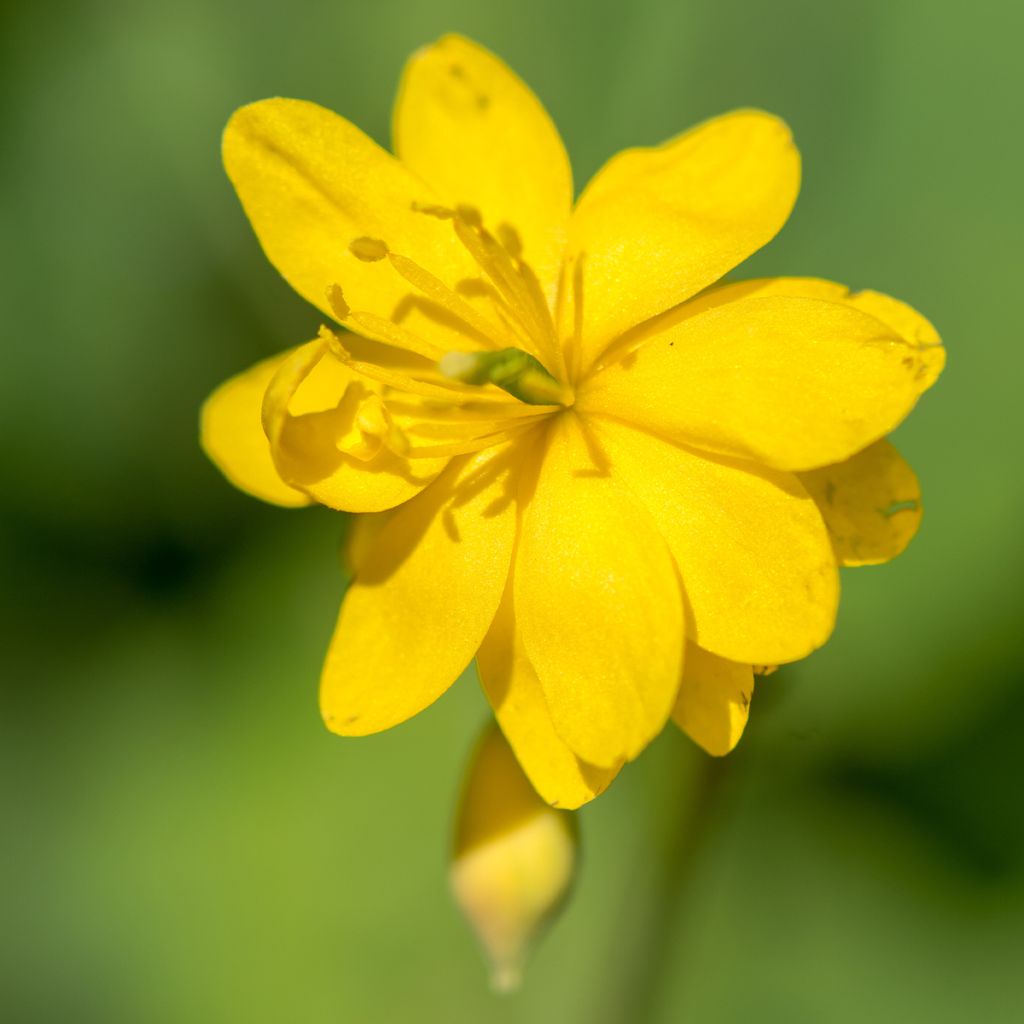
(433, 210)
(510, 241)
(369, 250)
(469, 215)
(336, 300)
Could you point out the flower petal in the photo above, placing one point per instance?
(871, 504)
(714, 700)
(467, 125)
(312, 184)
(515, 693)
(423, 598)
(791, 382)
(758, 572)
(910, 325)
(304, 414)
(232, 436)
(657, 225)
(598, 602)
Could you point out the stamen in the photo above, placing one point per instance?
(465, 400)
(571, 291)
(513, 326)
(393, 379)
(369, 250)
(445, 412)
(336, 300)
(379, 329)
(509, 240)
(486, 257)
(401, 382)
(440, 293)
(469, 215)
(435, 451)
(540, 303)
(453, 430)
(516, 293)
(525, 303)
(433, 210)
(391, 334)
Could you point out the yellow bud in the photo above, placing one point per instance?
(514, 858)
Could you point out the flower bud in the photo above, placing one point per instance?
(514, 858)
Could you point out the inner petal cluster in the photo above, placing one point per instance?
(424, 401)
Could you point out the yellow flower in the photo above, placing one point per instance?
(616, 484)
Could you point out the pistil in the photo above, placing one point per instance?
(517, 372)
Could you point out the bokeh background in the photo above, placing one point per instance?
(183, 841)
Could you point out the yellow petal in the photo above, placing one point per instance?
(758, 572)
(423, 598)
(597, 599)
(722, 295)
(791, 382)
(515, 693)
(714, 700)
(306, 416)
(322, 197)
(514, 859)
(467, 125)
(910, 325)
(232, 436)
(871, 504)
(655, 226)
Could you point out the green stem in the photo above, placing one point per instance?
(650, 962)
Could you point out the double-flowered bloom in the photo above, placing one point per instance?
(615, 482)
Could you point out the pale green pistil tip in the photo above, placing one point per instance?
(510, 369)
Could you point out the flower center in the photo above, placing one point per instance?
(505, 381)
(510, 311)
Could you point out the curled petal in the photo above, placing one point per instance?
(321, 441)
(232, 436)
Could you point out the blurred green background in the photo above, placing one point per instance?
(184, 842)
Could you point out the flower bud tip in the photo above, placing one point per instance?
(506, 978)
